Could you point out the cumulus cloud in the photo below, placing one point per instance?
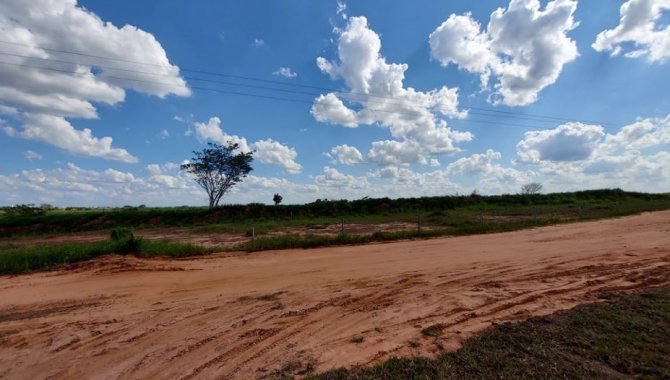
(259, 42)
(347, 155)
(377, 95)
(584, 155)
(41, 31)
(59, 132)
(639, 26)
(567, 142)
(488, 174)
(212, 131)
(265, 151)
(275, 153)
(285, 72)
(523, 47)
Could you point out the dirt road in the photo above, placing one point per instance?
(245, 316)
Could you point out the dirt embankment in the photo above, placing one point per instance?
(247, 315)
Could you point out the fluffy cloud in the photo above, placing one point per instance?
(275, 153)
(633, 158)
(568, 142)
(524, 47)
(41, 31)
(59, 132)
(377, 95)
(345, 154)
(639, 26)
(212, 131)
(487, 174)
(285, 72)
(265, 151)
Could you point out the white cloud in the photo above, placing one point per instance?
(639, 26)
(524, 47)
(266, 151)
(259, 42)
(30, 92)
(568, 142)
(164, 134)
(285, 72)
(342, 9)
(347, 155)
(212, 131)
(30, 155)
(59, 132)
(487, 175)
(377, 95)
(634, 158)
(274, 153)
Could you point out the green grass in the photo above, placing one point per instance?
(17, 260)
(288, 241)
(625, 337)
(445, 210)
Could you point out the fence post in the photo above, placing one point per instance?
(342, 226)
(253, 233)
(418, 224)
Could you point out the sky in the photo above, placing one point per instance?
(100, 101)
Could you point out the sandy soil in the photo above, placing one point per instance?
(247, 315)
(218, 239)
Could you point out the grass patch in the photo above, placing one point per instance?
(287, 241)
(625, 337)
(433, 330)
(17, 260)
(357, 339)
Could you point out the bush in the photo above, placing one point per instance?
(124, 241)
(121, 233)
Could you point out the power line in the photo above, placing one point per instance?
(528, 116)
(414, 114)
(345, 95)
(292, 100)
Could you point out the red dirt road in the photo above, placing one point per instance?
(247, 315)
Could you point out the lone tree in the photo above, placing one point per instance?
(217, 168)
(277, 199)
(531, 188)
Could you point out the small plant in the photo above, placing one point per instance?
(124, 241)
(433, 330)
(413, 343)
(121, 233)
(357, 339)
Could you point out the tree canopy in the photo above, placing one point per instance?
(217, 168)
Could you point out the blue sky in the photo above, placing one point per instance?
(386, 98)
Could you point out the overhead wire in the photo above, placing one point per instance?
(480, 111)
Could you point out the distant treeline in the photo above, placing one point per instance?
(21, 220)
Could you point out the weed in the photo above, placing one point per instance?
(623, 337)
(432, 330)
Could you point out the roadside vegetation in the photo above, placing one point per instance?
(625, 337)
(17, 260)
(460, 213)
(259, 224)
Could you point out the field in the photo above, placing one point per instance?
(298, 312)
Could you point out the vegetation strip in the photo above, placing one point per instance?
(624, 337)
(457, 211)
(122, 241)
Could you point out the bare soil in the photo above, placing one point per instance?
(208, 239)
(244, 316)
